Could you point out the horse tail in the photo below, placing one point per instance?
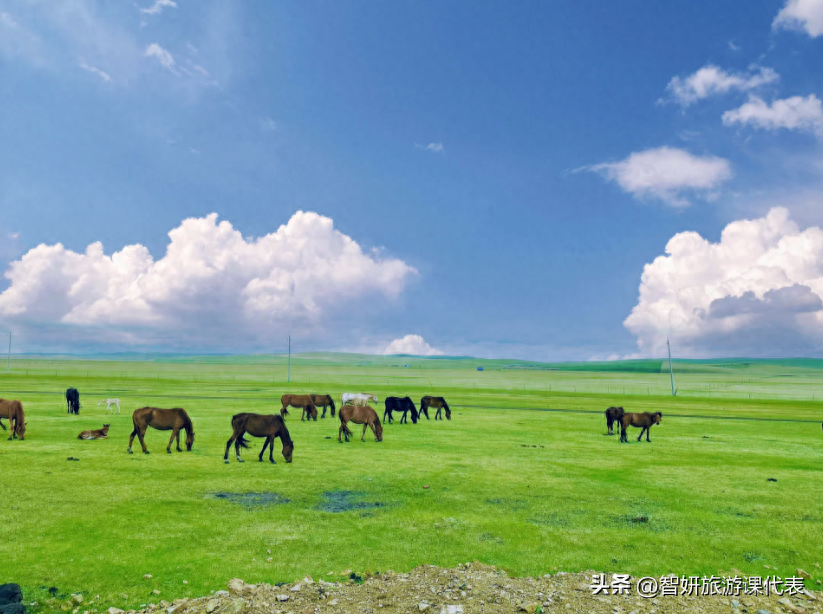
(243, 442)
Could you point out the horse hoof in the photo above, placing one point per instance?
(274, 462)
(146, 452)
(226, 461)
(169, 451)
(129, 451)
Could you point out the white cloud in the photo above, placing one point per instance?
(411, 344)
(712, 80)
(164, 57)
(158, 7)
(666, 173)
(435, 147)
(268, 124)
(212, 288)
(756, 292)
(803, 15)
(104, 76)
(795, 113)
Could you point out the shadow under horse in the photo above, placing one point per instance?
(438, 403)
(258, 425)
(163, 420)
(644, 421)
(398, 404)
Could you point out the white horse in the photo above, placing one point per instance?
(109, 403)
(355, 398)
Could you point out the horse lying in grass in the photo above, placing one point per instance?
(439, 403)
(397, 404)
(163, 420)
(644, 421)
(358, 398)
(303, 401)
(258, 425)
(613, 415)
(323, 400)
(359, 414)
(98, 434)
(13, 412)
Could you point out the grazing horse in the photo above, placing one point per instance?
(303, 401)
(258, 425)
(613, 415)
(73, 401)
(405, 405)
(358, 398)
(98, 434)
(438, 403)
(644, 421)
(109, 403)
(359, 414)
(163, 420)
(323, 400)
(13, 412)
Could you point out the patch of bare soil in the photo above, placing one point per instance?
(467, 589)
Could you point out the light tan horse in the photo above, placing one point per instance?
(163, 420)
(303, 401)
(644, 422)
(13, 412)
(359, 414)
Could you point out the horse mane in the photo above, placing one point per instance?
(188, 424)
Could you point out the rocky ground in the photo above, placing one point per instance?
(466, 589)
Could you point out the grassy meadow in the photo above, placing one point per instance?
(522, 477)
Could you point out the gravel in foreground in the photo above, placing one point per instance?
(466, 589)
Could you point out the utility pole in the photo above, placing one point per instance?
(8, 360)
(671, 371)
(289, 375)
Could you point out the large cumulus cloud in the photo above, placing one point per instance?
(212, 288)
(756, 292)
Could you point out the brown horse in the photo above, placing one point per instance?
(613, 415)
(644, 421)
(359, 414)
(303, 401)
(13, 412)
(258, 425)
(323, 400)
(438, 403)
(163, 420)
(98, 434)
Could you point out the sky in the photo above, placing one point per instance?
(564, 180)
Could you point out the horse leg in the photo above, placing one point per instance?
(640, 436)
(177, 439)
(228, 445)
(131, 439)
(265, 443)
(271, 450)
(622, 433)
(648, 428)
(174, 432)
(373, 430)
(284, 410)
(3, 425)
(363, 436)
(140, 435)
(324, 412)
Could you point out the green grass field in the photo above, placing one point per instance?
(510, 483)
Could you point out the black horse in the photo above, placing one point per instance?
(613, 415)
(405, 405)
(73, 401)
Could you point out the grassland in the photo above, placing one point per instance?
(510, 482)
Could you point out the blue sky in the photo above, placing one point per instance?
(503, 172)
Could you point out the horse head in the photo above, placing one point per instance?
(189, 438)
(657, 417)
(378, 430)
(288, 449)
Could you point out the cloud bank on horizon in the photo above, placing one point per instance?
(756, 292)
(411, 344)
(213, 288)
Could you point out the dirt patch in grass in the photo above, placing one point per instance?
(466, 589)
(337, 501)
(251, 499)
